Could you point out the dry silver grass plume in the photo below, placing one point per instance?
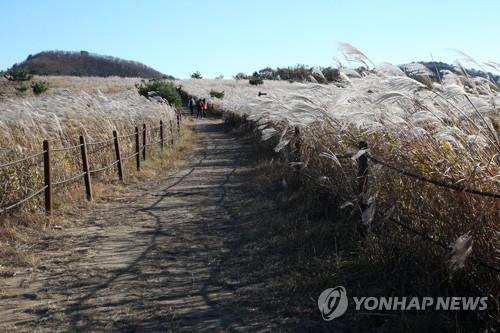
(460, 250)
(353, 54)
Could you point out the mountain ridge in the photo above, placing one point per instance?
(84, 63)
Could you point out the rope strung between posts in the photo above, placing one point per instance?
(66, 148)
(432, 181)
(65, 181)
(153, 143)
(424, 179)
(96, 146)
(103, 168)
(438, 243)
(3, 210)
(100, 142)
(124, 136)
(130, 156)
(22, 160)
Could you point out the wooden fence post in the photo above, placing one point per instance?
(47, 177)
(118, 156)
(171, 133)
(362, 169)
(362, 180)
(137, 149)
(85, 165)
(178, 123)
(162, 141)
(297, 155)
(144, 143)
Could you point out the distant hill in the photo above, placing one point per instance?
(84, 63)
(301, 73)
(435, 69)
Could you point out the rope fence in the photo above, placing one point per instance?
(22, 160)
(104, 168)
(69, 180)
(20, 202)
(125, 136)
(46, 153)
(66, 148)
(432, 181)
(102, 142)
(362, 158)
(437, 243)
(129, 157)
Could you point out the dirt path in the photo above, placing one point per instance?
(167, 257)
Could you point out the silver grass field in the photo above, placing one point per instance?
(92, 107)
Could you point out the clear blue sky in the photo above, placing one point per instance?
(228, 36)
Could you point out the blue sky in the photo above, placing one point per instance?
(225, 37)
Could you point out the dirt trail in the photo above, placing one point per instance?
(165, 258)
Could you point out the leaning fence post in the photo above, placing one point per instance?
(178, 123)
(362, 178)
(85, 166)
(162, 142)
(118, 156)
(144, 143)
(47, 177)
(137, 149)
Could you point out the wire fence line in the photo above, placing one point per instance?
(49, 184)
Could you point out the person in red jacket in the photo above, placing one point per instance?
(205, 108)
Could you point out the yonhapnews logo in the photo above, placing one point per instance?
(333, 303)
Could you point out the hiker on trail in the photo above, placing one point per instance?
(199, 108)
(191, 105)
(205, 108)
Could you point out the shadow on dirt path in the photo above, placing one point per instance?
(167, 258)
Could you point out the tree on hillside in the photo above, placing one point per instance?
(196, 75)
(240, 76)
